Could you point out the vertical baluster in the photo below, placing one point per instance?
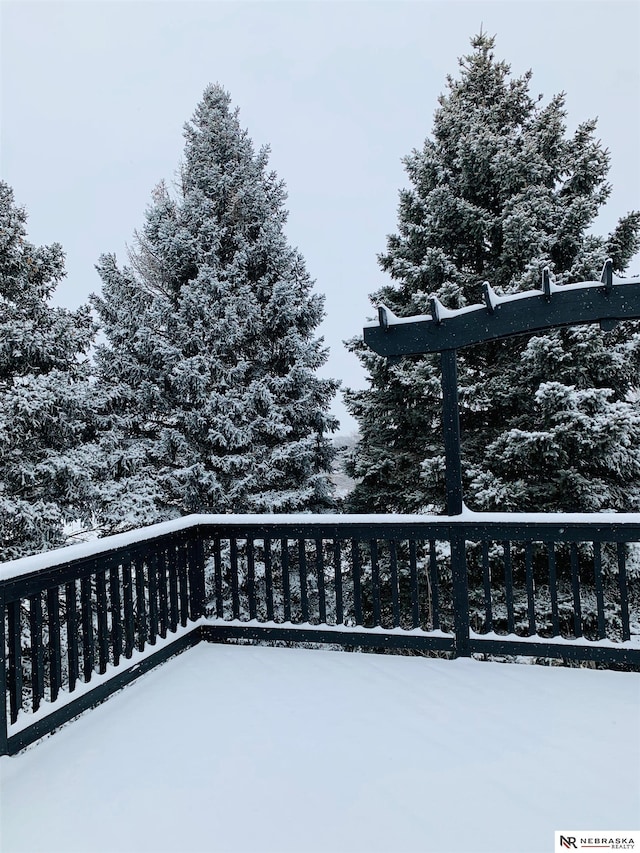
(87, 627)
(357, 589)
(553, 590)
(337, 574)
(597, 572)
(183, 591)
(531, 610)
(624, 595)
(172, 559)
(14, 670)
(116, 611)
(152, 569)
(72, 633)
(460, 593)
(486, 580)
(196, 566)
(37, 651)
(103, 630)
(217, 577)
(195, 573)
(55, 655)
(508, 587)
(251, 579)
(322, 598)
(161, 565)
(141, 604)
(413, 569)
(169, 554)
(302, 571)
(575, 587)
(268, 578)
(375, 581)
(235, 596)
(286, 585)
(395, 598)
(127, 600)
(433, 577)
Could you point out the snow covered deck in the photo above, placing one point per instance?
(230, 748)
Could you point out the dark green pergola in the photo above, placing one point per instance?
(446, 331)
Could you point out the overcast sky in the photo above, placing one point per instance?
(95, 95)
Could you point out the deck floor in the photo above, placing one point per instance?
(235, 748)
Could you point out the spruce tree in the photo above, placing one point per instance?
(499, 192)
(207, 382)
(44, 368)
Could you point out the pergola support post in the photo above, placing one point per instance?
(451, 430)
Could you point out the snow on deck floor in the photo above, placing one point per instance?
(231, 748)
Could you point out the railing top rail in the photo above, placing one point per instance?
(95, 548)
(470, 523)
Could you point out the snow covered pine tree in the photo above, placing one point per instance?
(43, 394)
(547, 423)
(207, 382)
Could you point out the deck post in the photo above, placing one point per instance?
(4, 747)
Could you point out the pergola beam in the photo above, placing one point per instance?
(501, 317)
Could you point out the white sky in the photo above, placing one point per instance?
(95, 94)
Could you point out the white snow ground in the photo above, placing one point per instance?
(230, 748)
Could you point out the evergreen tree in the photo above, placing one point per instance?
(207, 381)
(43, 394)
(497, 194)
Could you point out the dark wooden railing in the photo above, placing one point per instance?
(79, 623)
